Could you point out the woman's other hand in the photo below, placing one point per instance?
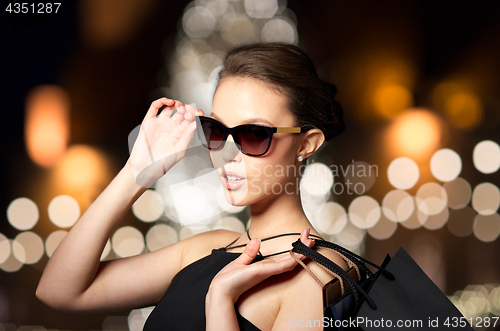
(163, 140)
(239, 276)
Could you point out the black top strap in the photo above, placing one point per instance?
(268, 238)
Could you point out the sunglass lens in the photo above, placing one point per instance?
(253, 140)
(213, 134)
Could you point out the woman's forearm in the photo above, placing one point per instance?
(74, 263)
(220, 313)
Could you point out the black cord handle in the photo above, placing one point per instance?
(360, 261)
(357, 290)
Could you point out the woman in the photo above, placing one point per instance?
(223, 280)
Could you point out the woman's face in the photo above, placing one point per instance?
(250, 101)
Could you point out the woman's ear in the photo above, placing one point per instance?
(311, 142)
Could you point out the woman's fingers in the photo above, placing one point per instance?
(189, 116)
(250, 252)
(167, 111)
(304, 237)
(287, 262)
(156, 105)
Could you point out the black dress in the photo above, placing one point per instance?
(183, 305)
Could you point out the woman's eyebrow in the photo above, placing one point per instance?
(248, 121)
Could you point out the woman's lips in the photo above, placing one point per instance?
(233, 184)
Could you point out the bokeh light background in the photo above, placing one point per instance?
(418, 165)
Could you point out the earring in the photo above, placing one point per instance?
(300, 158)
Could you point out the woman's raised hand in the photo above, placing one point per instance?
(239, 275)
(163, 140)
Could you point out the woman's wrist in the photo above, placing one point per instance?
(220, 312)
(147, 176)
(128, 172)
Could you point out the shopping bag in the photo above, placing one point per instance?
(398, 296)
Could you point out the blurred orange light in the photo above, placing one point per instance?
(47, 124)
(82, 167)
(461, 106)
(415, 133)
(391, 100)
(464, 110)
(113, 22)
(445, 90)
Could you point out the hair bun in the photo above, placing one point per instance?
(336, 111)
(332, 89)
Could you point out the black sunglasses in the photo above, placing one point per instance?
(251, 139)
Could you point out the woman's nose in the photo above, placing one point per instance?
(230, 150)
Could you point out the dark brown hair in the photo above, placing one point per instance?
(289, 70)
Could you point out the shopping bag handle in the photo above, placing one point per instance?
(359, 261)
(321, 284)
(357, 290)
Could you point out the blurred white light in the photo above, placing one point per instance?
(159, 236)
(22, 214)
(149, 207)
(230, 223)
(219, 7)
(364, 212)
(436, 221)
(494, 301)
(398, 205)
(210, 62)
(350, 237)
(261, 8)
(431, 198)
(198, 22)
(331, 218)
(4, 248)
(317, 179)
(184, 82)
(12, 264)
(403, 173)
(214, 75)
(237, 30)
(32, 247)
(147, 311)
(53, 240)
(487, 227)
(312, 203)
(278, 30)
(106, 250)
(360, 177)
(416, 219)
(446, 165)
(64, 211)
(190, 203)
(458, 192)
(486, 198)
(486, 156)
(18, 251)
(208, 182)
(127, 241)
(384, 228)
(461, 221)
(137, 318)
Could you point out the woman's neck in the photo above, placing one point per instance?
(279, 214)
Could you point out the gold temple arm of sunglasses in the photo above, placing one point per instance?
(294, 129)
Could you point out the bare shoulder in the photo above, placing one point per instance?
(201, 244)
(302, 301)
(305, 279)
